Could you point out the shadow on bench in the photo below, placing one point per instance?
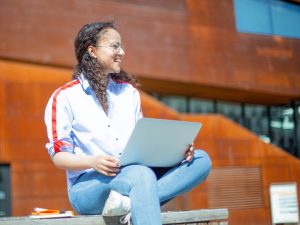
(193, 217)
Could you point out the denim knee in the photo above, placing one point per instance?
(144, 176)
(204, 160)
(90, 200)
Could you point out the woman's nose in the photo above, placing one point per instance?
(121, 51)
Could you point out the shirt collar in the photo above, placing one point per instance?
(84, 83)
(111, 84)
(86, 86)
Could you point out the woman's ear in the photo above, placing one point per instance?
(92, 51)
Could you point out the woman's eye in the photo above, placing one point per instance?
(116, 46)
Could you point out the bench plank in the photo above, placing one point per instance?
(192, 216)
(203, 216)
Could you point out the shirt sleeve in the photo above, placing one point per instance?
(138, 111)
(58, 119)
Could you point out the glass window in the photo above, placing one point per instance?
(197, 105)
(4, 190)
(297, 104)
(179, 103)
(253, 16)
(270, 17)
(285, 18)
(231, 110)
(282, 128)
(256, 120)
(279, 125)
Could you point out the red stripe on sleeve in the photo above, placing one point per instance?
(54, 122)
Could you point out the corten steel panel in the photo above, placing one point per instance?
(27, 149)
(199, 194)
(167, 4)
(24, 128)
(37, 183)
(45, 180)
(196, 44)
(235, 188)
(211, 123)
(249, 216)
(270, 151)
(24, 98)
(205, 91)
(5, 154)
(2, 98)
(209, 145)
(278, 173)
(212, 13)
(24, 206)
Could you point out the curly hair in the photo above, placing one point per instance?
(90, 67)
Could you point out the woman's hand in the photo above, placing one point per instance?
(107, 165)
(104, 164)
(189, 154)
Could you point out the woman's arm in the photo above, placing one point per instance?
(106, 165)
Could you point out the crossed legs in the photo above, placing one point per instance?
(146, 188)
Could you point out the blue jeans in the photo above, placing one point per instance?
(146, 187)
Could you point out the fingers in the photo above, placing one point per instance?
(108, 171)
(107, 165)
(191, 147)
(189, 154)
(111, 159)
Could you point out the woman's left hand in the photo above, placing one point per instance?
(189, 154)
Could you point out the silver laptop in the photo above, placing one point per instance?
(159, 142)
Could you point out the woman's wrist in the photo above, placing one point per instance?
(89, 161)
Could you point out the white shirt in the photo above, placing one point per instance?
(76, 122)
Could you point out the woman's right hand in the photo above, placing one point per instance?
(106, 165)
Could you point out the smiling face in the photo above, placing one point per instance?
(108, 51)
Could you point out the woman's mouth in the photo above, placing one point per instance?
(118, 61)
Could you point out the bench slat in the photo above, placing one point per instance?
(203, 216)
(192, 216)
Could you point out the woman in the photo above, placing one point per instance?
(89, 121)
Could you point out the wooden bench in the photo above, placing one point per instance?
(194, 217)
